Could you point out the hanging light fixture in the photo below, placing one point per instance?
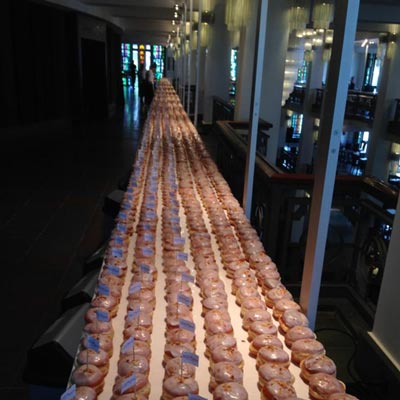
(237, 14)
(297, 17)
(322, 14)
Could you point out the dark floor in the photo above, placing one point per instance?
(53, 185)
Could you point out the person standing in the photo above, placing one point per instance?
(133, 73)
(150, 84)
(142, 79)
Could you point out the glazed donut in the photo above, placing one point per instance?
(175, 367)
(141, 387)
(297, 333)
(263, 340)
(321, 386)
(282, 305)
(230, 391)
(130, 364)
(100, 359)
(85, 393)
(231, 355)
(276, 294)
(270, 371)
(104, 339)
(291, 318)
(303, 348)
(274, 355)
(315, 364)
(278, 390)
(224, 372)
(255, 314)
(176, 385)
(262, 328)
(88, 375)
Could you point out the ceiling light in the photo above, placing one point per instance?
(364, 42)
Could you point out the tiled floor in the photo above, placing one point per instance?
(52, 190)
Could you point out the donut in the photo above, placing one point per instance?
(291, 318)
(89, 375)
(176, 385)
(142, 385)
(282, 305)
(104, 339)
(303, 348)
(231, 355)
(130, 364)
(257, 328)
(316, 363)
(274, 355)
(270, 371)
(223, 372)
(230, 391)
(175, 367)
(264, 340)
(278, 390)
(297, 333)
(321, 386)
(255, 314)
(99, 359)
(276, 294)
(85, 393)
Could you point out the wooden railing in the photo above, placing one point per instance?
(359, 105)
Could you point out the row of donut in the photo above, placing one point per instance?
(256, 269)
(135, 353)
(226, 361)
(180, 359)
(96, 348)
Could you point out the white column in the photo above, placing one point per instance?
(246, 66)
(389, 90)
(255, 107)
(332, 117)
(314, 81)
(190, 56)
(273, 72)
(216, 80)
(386, 330)
(198, 66)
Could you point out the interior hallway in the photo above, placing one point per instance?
(54, 181)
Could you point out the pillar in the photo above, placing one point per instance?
(246, 65)
(389, 90)
(306, 145)
(386, 330)
(217, 60)
(273, 73)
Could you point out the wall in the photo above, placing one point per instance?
(40, 72)
(39, 58)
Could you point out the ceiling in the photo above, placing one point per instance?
(147, 21)
(150, 21)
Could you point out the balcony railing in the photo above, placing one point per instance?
(359, 105)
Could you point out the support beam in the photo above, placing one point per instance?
(198, 63)
(333, 109)
(255, 106)
(190, 57)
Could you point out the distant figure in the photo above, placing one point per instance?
(133, 73)
(141, 78)
(352, 84)
(150, 84)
